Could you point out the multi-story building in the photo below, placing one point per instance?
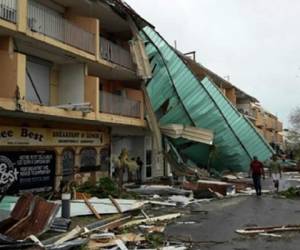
(70, 91)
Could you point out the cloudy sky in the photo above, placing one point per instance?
(255, 42)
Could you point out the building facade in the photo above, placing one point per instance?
(70, 91)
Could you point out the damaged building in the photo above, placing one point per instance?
(85, 79)
(70, 92)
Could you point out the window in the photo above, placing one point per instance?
(88, 159)
(105, 159)
(38, 80)
(68, 161)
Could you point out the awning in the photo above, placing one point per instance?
(176, 131)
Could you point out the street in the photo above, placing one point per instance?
(215, 223)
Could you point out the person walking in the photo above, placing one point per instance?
(257, 170)
(275, 171)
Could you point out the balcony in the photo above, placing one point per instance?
(260, 121)
(270, 123)
(251, 114)
(279, 126)
(8, 10)
(115, 53)
(119, 105)
(46, 21)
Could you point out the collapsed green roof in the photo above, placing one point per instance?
(178, 95)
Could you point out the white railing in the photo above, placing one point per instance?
(46, 21)
(119, 105)
(115, 53)
(8, 10)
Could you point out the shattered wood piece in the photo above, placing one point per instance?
(174, 248)
(152, 229)
(34, 239)
(103, 222)
(271, 235)
(274, 229)
(130, 237)
(108, 226)
(161, 203)
(145, 215)
(151, 220)
(121, 245)
(115, 204)
(102, 236)
(72, 244)
(69, 236)
(91, 207)
(220, 196)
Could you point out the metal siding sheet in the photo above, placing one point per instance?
(200, 103)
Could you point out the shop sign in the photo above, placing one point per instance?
(23, 136)
(30, 171)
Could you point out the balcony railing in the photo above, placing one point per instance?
(119, 105)
(115, 53)
(8, 10)
(46, 21)
(248, 112)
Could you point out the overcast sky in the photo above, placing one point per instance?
(255, 42)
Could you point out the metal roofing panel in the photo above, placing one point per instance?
(200, 103)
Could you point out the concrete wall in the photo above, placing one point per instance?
(136, 95)
(230, 93)
(12, 75)
(91, 92)
(71, 83)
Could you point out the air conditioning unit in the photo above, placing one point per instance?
(33, 24)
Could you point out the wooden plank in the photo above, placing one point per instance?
(115, 203)
(91, 207)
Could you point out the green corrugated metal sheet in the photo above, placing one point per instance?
(200, 103)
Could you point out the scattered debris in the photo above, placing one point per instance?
(271, 235)
(91, 207)
(159, 190)
(220, 187)
(151, 220)
(113, 241)
(34, 218)
(104, 206)
(180, 199)
(60, 225)
(292, 192)
(274, 229)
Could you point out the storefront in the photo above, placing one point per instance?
(38, 159)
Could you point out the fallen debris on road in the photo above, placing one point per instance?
(274, 229)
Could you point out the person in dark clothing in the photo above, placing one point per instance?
(257, 170)
(139, 170)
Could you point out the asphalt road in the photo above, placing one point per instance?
(215, 222)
